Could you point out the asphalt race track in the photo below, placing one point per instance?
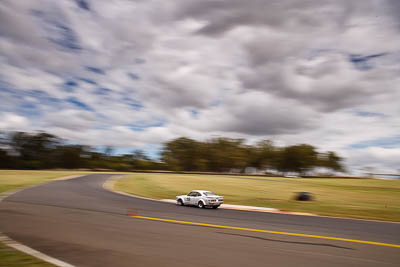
(79, 222)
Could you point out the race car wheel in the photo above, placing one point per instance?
(200, 204)
(180, 202)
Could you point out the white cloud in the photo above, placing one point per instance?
(324, 73)
(74, 120)
(13, 122)
(375, 160)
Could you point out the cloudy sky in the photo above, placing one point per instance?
(134, 74)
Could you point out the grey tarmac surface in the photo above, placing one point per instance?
(79, 222)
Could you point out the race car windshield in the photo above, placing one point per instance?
(209, 194)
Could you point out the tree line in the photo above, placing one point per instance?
(226, 154)
(20, 150)
(41, 150)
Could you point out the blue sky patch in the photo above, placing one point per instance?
(90, 81)
(369, 114)
(69, 86)
(389, 142)
(83, 4)
(361, 62)
(43, 97)
(78, 103)
(58, 32)
(66, 37)
(71, 83)
(25, 107)
(141, 126)
(28, 109)
(102, 91)
(134, 76)
(96, 70)
(38, 93)
(151, 151)
(135, 104)
(6, 89)
(194, 113)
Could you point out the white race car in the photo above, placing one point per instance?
(201, 199)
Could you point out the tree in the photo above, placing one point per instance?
(43, 150)
(108, 151)
(182, 154)
(5, 160)
(332, 161)
(298, 158)
(262, 155)
(224, 154)
(139, 155)
(70, 156)
(35, 149)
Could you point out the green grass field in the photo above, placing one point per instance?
(11, 180)
(356, 198)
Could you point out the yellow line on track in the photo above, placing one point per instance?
(267, 231)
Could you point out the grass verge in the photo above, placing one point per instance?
(354, 198)
(13, 258)
(15, 179)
